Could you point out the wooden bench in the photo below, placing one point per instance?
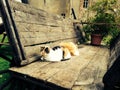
(28, 29)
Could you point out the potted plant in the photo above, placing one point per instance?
(101, 25)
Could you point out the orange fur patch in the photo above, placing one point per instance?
(66, 51)
(70, 46)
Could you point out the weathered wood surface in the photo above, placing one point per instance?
(37, 26)
(83, 72)
(28, 28)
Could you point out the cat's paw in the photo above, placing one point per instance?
(76, 53)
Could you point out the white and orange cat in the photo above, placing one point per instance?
(58, 53)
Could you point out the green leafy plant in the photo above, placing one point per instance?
(105, 19)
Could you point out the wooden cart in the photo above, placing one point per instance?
(28, 29)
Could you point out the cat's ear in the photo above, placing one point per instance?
(47, 50)
(42, 48)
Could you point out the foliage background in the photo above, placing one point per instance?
(108, 13)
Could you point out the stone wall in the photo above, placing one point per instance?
(64, 7)
(53, 6)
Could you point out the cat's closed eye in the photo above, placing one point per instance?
(47, 50)
(56, 47)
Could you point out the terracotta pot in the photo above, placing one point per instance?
(96, 39)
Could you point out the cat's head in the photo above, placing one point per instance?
(44, 50)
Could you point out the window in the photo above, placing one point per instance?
(85, 4)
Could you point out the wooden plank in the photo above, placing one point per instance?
(98, 86)
(38, 17)
(94, 72)
(28, 13)
(35, 49)
(28, 69)
(55, 71)
(10, 32)
(28, 19)
(67, 76)
(35, 41)
(49, 70)
(80, 72)
(33, 33)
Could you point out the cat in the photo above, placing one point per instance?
(56, 53)
(59, 53)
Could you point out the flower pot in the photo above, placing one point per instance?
(96, 39)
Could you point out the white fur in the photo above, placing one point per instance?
(68, 56)
(54, 55)
(18, 0)
(76, 53)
